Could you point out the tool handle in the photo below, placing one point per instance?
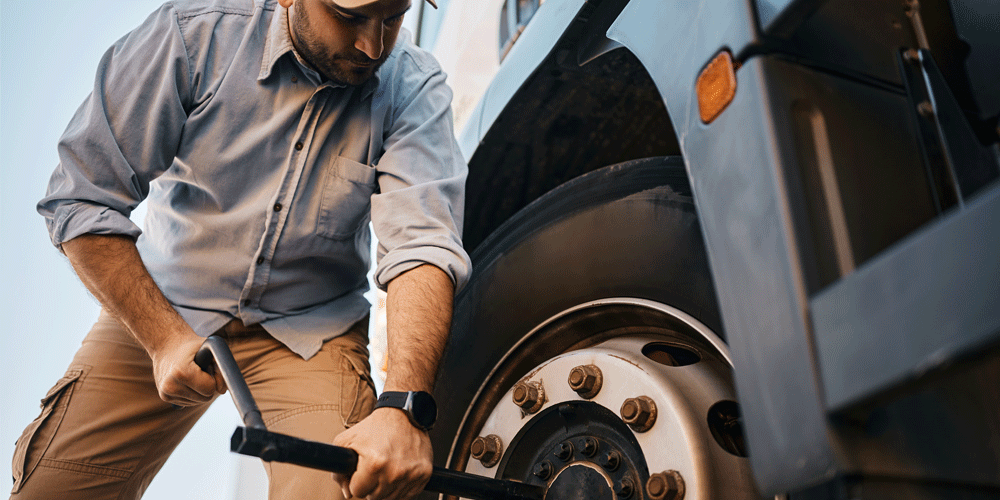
(274, 447)
(463, 484)
(215, 348)
(255, 440)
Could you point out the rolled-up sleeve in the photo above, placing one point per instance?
(124, 134)
(417, 215)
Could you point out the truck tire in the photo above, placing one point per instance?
(609, 271)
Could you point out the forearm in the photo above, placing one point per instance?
(418, 318)
(110, 267)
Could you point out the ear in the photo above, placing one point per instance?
(286, 3)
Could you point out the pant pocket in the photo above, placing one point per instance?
(357, 391)
(37, 437)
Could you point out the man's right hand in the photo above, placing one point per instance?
(179, 380)
(110, 267)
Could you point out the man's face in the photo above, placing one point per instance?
(345, 45)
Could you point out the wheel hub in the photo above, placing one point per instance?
(581, 481)
(579, 449)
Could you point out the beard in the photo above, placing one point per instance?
(353, 68)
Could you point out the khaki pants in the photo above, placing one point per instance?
(103, 432)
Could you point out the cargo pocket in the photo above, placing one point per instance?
(35, 439)
(345, 205)
(357, 391)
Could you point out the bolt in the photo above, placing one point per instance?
(543, 470)
(625, 488)
(612, 460)
(530, 396)
(912, 56)
(586, 380)
(487, 449)
(926, 109)
(667, 485)
(639, 413)
(590, 446)
(564, 451)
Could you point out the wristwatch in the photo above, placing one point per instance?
(419, 406)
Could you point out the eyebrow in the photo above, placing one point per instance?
(354, 13)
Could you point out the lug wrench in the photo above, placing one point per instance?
(256, 441)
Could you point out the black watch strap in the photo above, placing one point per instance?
(419, 407)
(392, 399)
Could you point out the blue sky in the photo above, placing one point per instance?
(49, 54)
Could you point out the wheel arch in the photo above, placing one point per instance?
(590, 103)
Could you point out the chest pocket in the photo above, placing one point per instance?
(345, 206)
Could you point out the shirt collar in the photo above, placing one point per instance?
(279, 42)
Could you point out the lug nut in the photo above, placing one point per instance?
(590, 446)
(625, 488)
(487, 449)
(926, 109)
(564, 451)
(667, 485)
(586, 380)
(543, 470)
(612, 460)
(639, 413)
(530, 396)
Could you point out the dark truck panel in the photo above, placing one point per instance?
(848, 198)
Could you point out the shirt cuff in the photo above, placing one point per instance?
(72, 220)
(454, 262)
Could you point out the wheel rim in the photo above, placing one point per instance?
(651, 358)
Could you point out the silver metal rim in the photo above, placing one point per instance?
(622, 356)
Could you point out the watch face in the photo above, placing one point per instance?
(423, 409)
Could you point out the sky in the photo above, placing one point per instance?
(48, 56)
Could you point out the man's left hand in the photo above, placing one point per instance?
(394, 457)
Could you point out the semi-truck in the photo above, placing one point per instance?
(727, 248)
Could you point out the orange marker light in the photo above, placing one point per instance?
(716, 86)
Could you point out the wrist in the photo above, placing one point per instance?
(418, 407)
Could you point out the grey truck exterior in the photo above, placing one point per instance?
(845, 207)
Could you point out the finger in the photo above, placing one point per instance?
(412, 486)
(388, 491)
(220, 383)
(362, 485)
(180, 401)
(200, 382)
(343, 481)
(175, 391)
(186, 398)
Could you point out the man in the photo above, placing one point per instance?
(262, 135)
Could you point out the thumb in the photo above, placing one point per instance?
(220, 383)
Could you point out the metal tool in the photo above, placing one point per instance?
(255, 440)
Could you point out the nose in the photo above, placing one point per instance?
(369, 39)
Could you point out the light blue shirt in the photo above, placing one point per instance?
(260, 178)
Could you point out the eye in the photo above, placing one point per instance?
(347, 18)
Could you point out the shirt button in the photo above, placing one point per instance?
(277, 207)
(260, 260)
(295, 79)
(246, 302)
(298, 146)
